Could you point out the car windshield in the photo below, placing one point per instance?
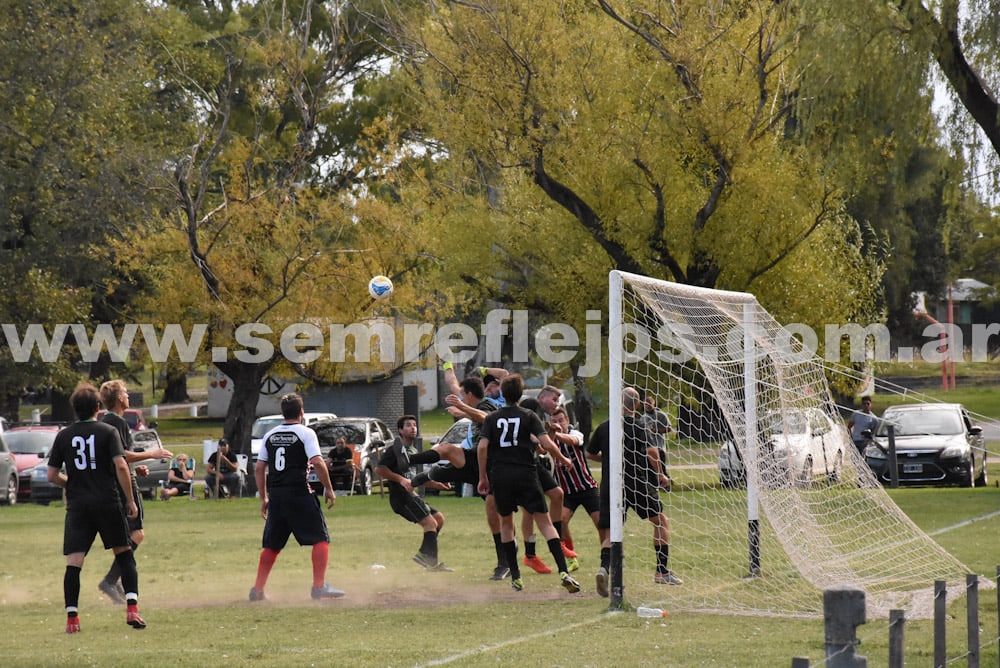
(456, 434)
(29, 442)
(264, 425)
(915, 423)
(789, 423)
(351, 433)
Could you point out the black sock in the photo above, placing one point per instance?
(555, 547)
(662, 555)
(558, 526)
(130, 575)
(425, 457)
(420, 479)
(606, 558)
(501, 559)
(115, 572)
(510, 551)
(529, 547)
(430, 545)
(71, 586)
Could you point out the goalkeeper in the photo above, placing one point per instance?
(643, 475)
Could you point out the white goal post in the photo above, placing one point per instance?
(770, 501)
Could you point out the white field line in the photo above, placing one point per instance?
(963, 523)
(505, 643)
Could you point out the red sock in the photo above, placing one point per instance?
(267, 559)
(569, 544)
(320, 556)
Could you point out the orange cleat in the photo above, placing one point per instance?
(536, 564)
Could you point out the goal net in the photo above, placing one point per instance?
(769, 502)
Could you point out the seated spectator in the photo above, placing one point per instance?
(341, 464)
(179, 477)
(222, 467)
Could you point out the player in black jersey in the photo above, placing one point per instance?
(287, 502)
(96, 475)
(506, 455)
(114, 396)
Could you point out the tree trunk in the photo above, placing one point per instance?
(583, 404)
(175, 391)
(247, 379)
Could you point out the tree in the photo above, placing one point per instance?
(651, 140)
(289, 198)
(82, 127)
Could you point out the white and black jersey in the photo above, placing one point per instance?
(287, 450)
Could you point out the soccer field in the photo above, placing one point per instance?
(199, 560)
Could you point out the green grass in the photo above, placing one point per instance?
(199, 561)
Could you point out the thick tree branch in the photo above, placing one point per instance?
(589, 218)
(972, 92)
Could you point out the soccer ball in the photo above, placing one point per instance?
(380, 287)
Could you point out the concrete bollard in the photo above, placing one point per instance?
(193, 411)
(843, 612)
(154, 411)
(36, 416)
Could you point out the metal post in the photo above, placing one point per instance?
(940, 615)
(972, 612)
(616, 354)
(843, 612)
(896, 621)
(800, 662)
(893, 462)
(750, 461)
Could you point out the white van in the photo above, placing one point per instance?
(262, 425)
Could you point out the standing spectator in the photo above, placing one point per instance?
(114, 396)
(179, 477)
(98, 499)
(393, 467)
(287, 503)
(861, 421)
(507, 470)
(341, 464)
(643, 475)
(222, 467)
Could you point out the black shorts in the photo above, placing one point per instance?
(590, 499)
(182, 487)
(409, 506)
(84, 521)
(644, 499)
(545, 477)
(137, 523)
(517, 487)
(294, 514)
(641, 496)
(468, 474)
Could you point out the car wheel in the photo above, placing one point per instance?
(838, 467)
(364, 482)
(10, 496)
(805, 476)
(981, 481)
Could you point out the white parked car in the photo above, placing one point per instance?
(800, 445)
(264, 424)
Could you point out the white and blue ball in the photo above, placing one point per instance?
(380, 287)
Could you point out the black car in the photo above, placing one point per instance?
(367, 436)
(935, 444)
